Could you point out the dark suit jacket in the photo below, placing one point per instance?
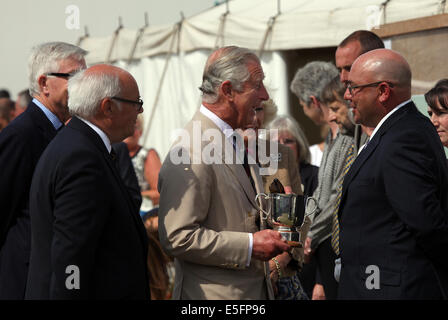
(21, 145)
(127, 173)
(394, 213)
(82, 215)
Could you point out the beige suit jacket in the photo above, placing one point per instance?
(206, 214)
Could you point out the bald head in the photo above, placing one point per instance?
(108, 97)
(379, 81)
(385, 65)
(87, 88)
(109, 70)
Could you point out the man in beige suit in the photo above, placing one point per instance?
(208, 218)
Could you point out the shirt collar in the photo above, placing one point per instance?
(50, 115)
(101, 133)
(387, 116)
(221, 124)
(226, 129)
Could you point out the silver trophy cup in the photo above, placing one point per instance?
(285, 214)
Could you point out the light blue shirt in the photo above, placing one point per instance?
(50, 115)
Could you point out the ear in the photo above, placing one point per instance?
(227, 90)
(315, 102)
(384, 92)
(107, 107)
(42, 81)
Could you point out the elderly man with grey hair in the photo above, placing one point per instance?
(22, 142)
(88, 241)
(308, 85)
(208, 218)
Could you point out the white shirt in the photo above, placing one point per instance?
(382, 121)
(228, 131)
(101, 133)
(316, 155)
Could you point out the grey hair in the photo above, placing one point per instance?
(46, 57)
(231, 64)
(87, 89)
(311, 80)
(285, 123)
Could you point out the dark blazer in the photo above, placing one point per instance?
(394, 213)
(82, 215)
(127, 173)
(21, 145)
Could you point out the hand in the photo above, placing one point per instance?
(318, 292)
(307, 250)
(268, 244)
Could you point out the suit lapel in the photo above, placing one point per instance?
(236, 168)
(42, 122)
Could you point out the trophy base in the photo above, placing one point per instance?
(292, 237)
(294, 244)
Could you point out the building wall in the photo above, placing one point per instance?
(426, 53)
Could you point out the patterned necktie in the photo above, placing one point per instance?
(113, 156)
(247, 169)
(245, 163)
(335, 233)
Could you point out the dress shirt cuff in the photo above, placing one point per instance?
(251, 243)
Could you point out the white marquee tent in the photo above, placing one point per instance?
(167, 60)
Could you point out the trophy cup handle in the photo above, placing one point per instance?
(264, 214)
(313, 210)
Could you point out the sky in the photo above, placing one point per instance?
(25, 23)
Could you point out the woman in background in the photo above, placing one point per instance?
(291, 135)
(437, 100)
(147, 166)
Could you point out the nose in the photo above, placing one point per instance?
(264, 95)
(435, 120)
(343, 76)
(347, 95)
(332, 116)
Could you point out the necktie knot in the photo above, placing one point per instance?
(113, 155)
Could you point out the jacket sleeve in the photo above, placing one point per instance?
(80, 214)
(414, 173)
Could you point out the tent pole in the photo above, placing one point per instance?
(137, 38)
(159, 89)
(112, 45)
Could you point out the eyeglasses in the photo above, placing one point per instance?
(61, 74)
(351, 87)
(139, 102)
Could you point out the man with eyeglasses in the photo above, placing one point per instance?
(88, 240)
(21, 144)
(355, 44)
(393, 213)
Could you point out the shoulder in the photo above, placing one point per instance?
(411, 128)
(17, 135)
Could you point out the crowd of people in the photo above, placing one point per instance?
(89, 213)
